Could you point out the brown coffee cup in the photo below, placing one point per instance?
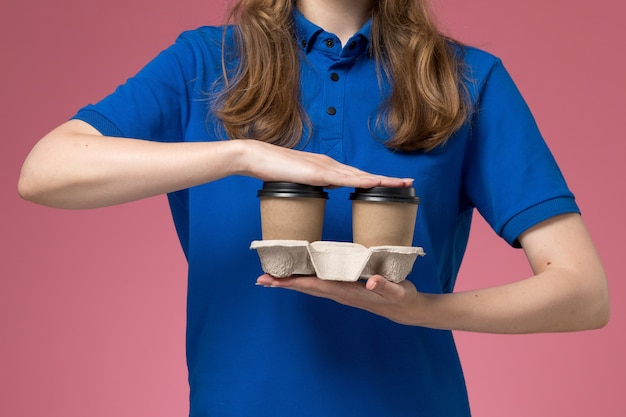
(291, 211)
(383, 216)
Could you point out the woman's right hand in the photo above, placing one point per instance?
(75, 167)
(276, 163)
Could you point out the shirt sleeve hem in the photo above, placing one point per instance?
(99, 122)
(535, 215)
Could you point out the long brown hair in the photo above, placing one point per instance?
(261, 98)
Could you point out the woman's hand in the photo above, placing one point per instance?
(275, 163)
(397, 302)
(568, 291)
(74, 166)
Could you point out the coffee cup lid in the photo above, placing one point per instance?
(291, 189)
(389, 194)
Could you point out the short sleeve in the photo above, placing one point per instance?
(510, 175)
(153, 104)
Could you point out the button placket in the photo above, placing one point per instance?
(332, 110)
(334, 91)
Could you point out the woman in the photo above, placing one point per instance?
(354, 87)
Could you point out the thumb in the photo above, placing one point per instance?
(381, 286)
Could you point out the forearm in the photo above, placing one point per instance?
(76, 167)
(567, 292)
(556, 300)
(73, 167)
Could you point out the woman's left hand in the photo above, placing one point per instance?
(568, 291)
(377, 295)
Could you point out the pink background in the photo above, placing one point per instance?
(92, 303)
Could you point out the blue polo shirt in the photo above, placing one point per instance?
(268, 352)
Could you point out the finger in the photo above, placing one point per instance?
(335, 173)
(384, 288)
(266, 280)
(343, 292)
(302, 283)
(364, 180)
(323, 170)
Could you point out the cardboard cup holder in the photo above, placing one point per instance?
(335, 261)
(381, 215)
